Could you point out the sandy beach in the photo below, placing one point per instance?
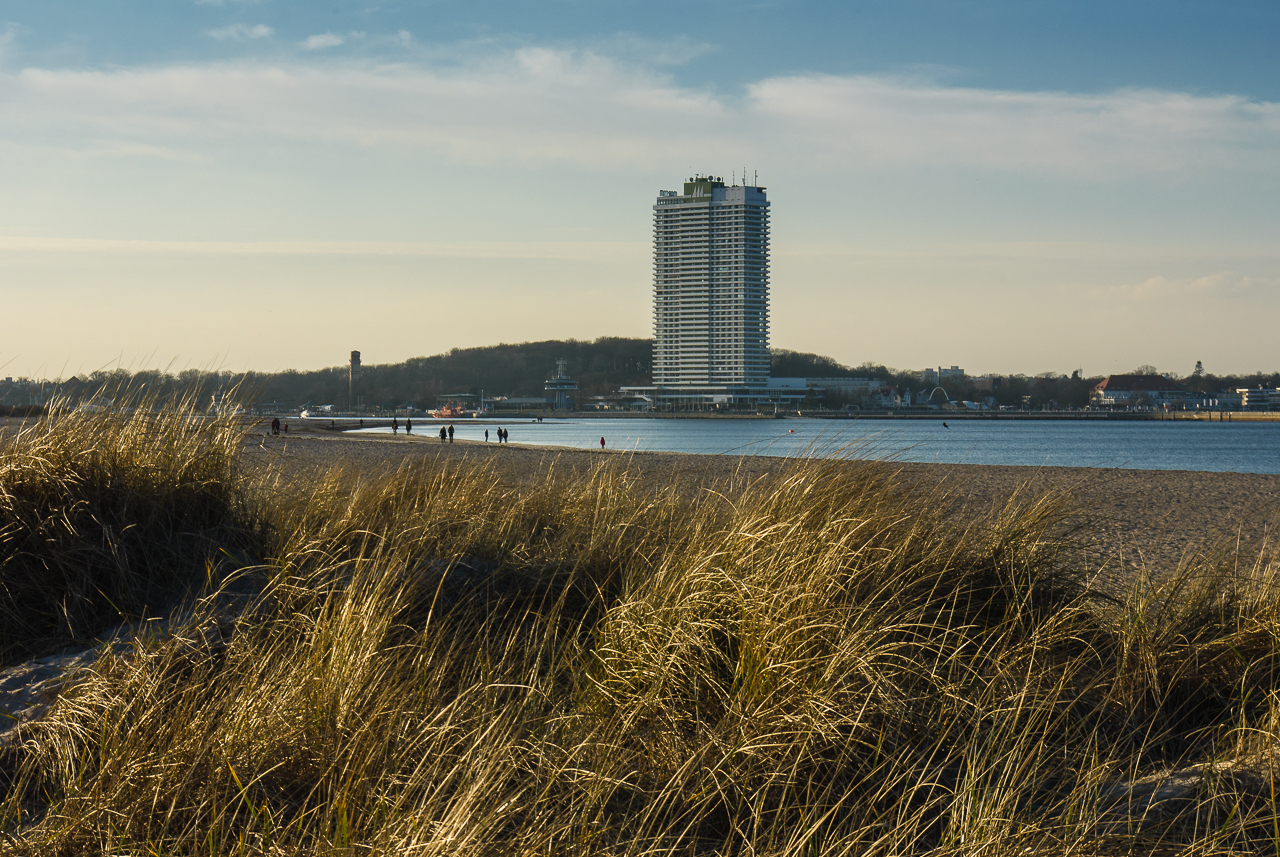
(1135, 518)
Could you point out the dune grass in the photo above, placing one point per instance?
(438, 660)
(104, 517)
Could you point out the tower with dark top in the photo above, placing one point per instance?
(561, 387)
(353, 380)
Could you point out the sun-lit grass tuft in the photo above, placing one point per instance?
(107, 514)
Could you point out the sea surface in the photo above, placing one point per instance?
(1242, 447)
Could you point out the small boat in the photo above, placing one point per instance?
(450, 411)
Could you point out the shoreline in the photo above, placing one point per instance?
(1133, 517)
(345, 423)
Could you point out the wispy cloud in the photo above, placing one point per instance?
(322, 40)
(562, 250)
(1162, 288)
(7, 36)
(561, 106)
(241, 32)
(886, 121)
(676, 50)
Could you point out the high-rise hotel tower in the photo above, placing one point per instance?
(711, 288)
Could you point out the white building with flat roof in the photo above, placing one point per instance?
(1259, 399)
(711, 285)
(711, 293)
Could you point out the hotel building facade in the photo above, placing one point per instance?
(711, 296)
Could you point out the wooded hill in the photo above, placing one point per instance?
(600, 367)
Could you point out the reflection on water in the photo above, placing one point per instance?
(1244, 447)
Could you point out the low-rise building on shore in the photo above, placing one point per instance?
(1130, 391)
(1259, 399)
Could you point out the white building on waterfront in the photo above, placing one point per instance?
(942, 375)
(711, 285)
(711, 296)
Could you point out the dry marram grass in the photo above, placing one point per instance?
(435, 661)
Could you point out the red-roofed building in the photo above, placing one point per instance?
(1128, 391)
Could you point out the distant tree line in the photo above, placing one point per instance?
(1047, 389)
(600, 367)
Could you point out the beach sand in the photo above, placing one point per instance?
(1134, 519)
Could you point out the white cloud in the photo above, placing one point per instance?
(7, 36)
(563, 250)
(323, 40)
(1162, 288)
(240, 32)
(551, 106)
(884, 121)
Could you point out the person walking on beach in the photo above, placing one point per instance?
(602, 443)
(275, 425)
(395, 425)
(442, 434)
(450, 432)
(408, 425)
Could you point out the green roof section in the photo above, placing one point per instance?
(700, 186)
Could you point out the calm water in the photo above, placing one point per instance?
(1241, 447)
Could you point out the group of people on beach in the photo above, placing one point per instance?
(503, 434)
(446, 432)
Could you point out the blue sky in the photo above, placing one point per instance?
(267, 183)
(1028, 45)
